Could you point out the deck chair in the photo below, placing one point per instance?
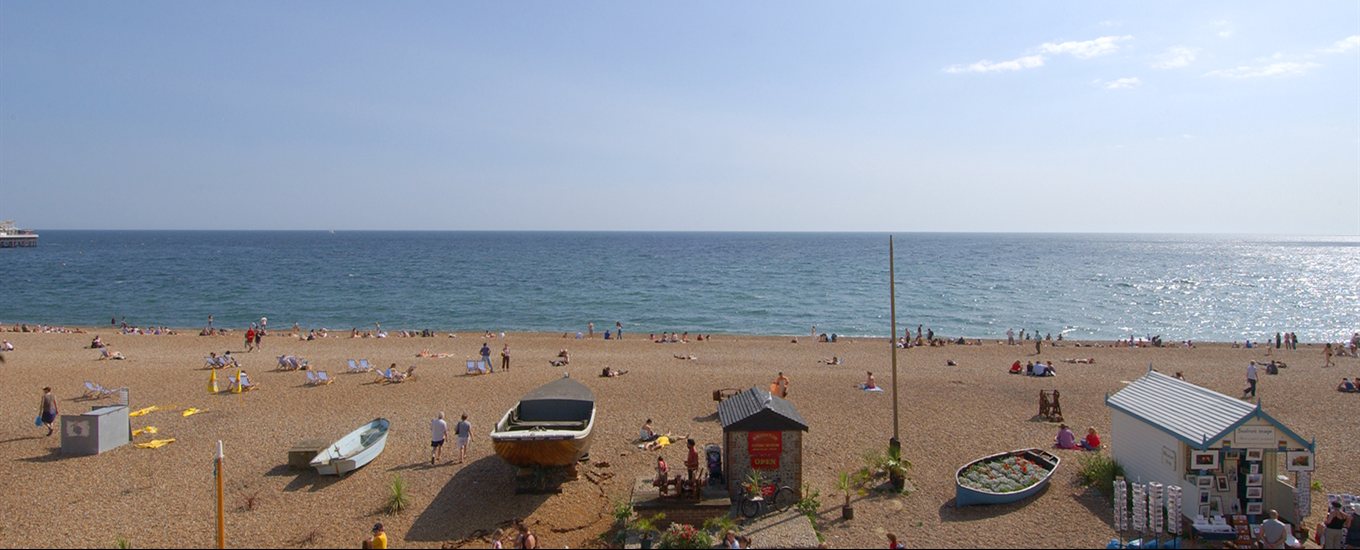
(96, 391)
(311, 378)
(353, 367)
(286, 362)
(477, 367)
(386, 375)
(365, 366)
(322, 378)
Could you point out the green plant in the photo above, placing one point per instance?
(623, 511)
(680, 535)
(646, 527)
(719, 525)
(754, 481)
(1099, 470)
(811, 502)
(848, 483)
(1316, 486)
(397, 499)
(122, 542)
(891, 464)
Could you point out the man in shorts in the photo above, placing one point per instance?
(464, 432)
(439, 430)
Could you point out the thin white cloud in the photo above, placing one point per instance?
(1285, 68)
(1175, 57)
(1224, 27)
(1121, 83)
(1344, 45)
(1085, 49)
(986, 66)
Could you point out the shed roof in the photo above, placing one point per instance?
(757, 409)
(1196, 415)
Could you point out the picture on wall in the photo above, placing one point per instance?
(1255, 468)
(1254, 455)
(1254, 492)
(1235, 507)
(1299, 461)
(1204, 483)
(1222, 484)
(1216, 505)
(1254, 508)
(1204, 510)
(1254, 480)
(1204, 460)
(1204, 497)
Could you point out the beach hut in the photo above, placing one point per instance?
(1230, 456)
(762, 432)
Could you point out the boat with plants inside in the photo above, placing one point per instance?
(1004, 477)
(353, 451)
(551, 426)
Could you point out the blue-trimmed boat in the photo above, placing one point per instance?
(1004, 477)
(353, 451)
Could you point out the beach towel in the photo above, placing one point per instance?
(146, 430)
(862, 387)
(154, 443)
(191, 411)
(144, 412)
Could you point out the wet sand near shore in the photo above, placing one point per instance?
(949, 416)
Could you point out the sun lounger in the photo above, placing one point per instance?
(311, 378)
(322, 378)
(96, 391)
(363, 364)
(386, 375)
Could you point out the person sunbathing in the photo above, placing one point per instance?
(1086, 361)
(610, 372)
(96, 343)
(1016, 368)
(871, 384)
(563, 358)
(1346, 386)
(685, 357)
(6, 346)
(834, 360)
(106, 353)
(662, 441)
(403, 376)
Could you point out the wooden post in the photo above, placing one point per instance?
(896, 442)
(221, 519)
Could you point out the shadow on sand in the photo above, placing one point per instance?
(303, 479)
(480, 497)
(949, 513)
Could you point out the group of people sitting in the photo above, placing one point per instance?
(563, 359)
(1033, 369)
(1346, 386)
(292, 362)
(673, 338)
(215, 361)
(1068, 440)
(6, 346)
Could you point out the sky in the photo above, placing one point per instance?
(1056, 116)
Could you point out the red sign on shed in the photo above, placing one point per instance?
(765, 443)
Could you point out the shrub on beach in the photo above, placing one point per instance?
(1099, 470)
(398, 498)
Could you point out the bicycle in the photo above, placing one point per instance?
(769, 499)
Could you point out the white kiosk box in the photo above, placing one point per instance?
(102, 429)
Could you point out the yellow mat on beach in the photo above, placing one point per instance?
(143, 412)
(192, 411)
(155, 443)
(146, 430)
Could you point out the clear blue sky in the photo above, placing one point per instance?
(1219, 116)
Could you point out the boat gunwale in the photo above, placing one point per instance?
(1056, 460)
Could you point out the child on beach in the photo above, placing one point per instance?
(48, 410)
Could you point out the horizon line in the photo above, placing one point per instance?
(714, 231)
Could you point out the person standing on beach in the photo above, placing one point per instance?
(1010, 337)
(250, 338)
(590, 329)
(379, 539)
(464, 432)
(618, 329)
(781, 384)
(1327, 355)
(486, 356)
(439, 431)
(1038, 345)
(48, 410)
(691, 460)
(259, 335)
(1251, 380)
(209, 322)
(505, 357)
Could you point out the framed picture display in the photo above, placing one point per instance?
(1254, 480)
(1204, 497)
(1255, 468)
(1254, 508)
(1216, 505)
(1235, 507)
(1298, 461)
(1222, 483)
(1204, 460)
(1204, 511)
(1254, 492)
(1254, 455)
(1204, 483)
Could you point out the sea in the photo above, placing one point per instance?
(1083, 286)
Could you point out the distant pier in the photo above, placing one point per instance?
(13, 237)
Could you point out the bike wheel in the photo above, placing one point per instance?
(751, 508)
(785, 497)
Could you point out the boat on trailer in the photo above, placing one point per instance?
(353, 451)
(1004, 477)
(549, 427)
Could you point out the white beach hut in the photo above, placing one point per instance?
(1229, 455)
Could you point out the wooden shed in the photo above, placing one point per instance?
(761, 432)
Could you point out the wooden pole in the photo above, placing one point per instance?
(221, 519)
(896, 442)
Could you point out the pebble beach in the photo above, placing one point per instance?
(949, 415)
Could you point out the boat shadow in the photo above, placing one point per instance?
(303, 479)
(480, 497)
(949, 513)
